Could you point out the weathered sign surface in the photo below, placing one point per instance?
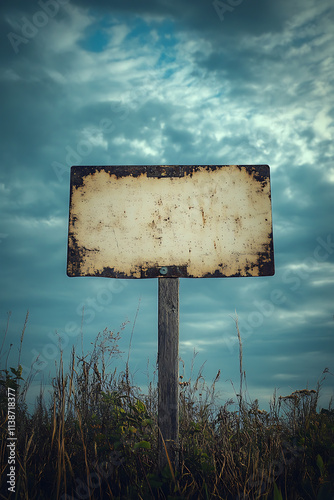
(199, 221)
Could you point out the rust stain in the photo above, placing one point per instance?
(198, 221)
(203, 217)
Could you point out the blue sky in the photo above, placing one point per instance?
(240, 82)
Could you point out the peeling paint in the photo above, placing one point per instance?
(195, 220)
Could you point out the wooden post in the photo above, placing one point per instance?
(168, 370)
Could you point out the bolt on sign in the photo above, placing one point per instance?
(189, 221)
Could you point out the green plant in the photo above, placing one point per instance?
(98, 438)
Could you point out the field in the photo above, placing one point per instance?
(98, 438)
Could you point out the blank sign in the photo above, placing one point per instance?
(196, 221)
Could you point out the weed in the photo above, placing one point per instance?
(98, 438)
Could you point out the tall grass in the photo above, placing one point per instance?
(97, 438)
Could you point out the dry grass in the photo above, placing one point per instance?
(98, 438)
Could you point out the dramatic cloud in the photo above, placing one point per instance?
(152, 82)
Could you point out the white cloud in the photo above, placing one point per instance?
(286, 377)
(263, 105)
(42, 223)
(4, 189)
(62, 35)
(323, 124)
(95, 137)
(10, 75)
(118, 32)
(330, 174)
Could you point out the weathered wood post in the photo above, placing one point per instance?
(199, 221)
(168, 370)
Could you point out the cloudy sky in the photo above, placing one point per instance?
(156, 82)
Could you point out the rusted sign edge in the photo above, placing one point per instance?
(261, 174)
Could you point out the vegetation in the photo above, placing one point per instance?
(98, 439)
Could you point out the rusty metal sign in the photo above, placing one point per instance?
(196, 221)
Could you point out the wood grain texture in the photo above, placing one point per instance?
(168, 368)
